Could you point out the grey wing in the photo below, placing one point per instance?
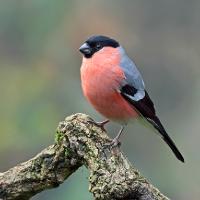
(133, 76)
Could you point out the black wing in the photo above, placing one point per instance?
(145, 108)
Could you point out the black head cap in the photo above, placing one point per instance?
(95, 43)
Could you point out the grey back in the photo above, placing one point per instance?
(133, 76)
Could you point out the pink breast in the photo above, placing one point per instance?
(114, 106)
(100, 82)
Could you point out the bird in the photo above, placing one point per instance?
(114, 86)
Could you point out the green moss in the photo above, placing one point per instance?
(67, 151)
(59, 137)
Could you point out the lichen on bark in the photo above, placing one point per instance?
(78, 142)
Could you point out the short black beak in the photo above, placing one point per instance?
(85, 49)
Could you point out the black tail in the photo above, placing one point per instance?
(173, 147)
(157, 124)
(146, 108)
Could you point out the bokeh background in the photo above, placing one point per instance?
(40, 82)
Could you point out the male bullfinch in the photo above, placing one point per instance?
(112, 83)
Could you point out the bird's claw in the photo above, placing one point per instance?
(99, 124)
(113, 144)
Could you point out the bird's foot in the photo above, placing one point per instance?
(100, 124)
(114, 143)
(112, 148)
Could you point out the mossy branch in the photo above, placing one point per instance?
(78, 142)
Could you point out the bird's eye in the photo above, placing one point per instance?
(98, 46)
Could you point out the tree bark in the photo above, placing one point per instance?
(78, 142)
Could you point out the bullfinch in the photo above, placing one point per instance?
(112, 83)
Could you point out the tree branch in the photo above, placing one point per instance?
(78, 142)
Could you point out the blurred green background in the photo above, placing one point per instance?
(40, 82)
